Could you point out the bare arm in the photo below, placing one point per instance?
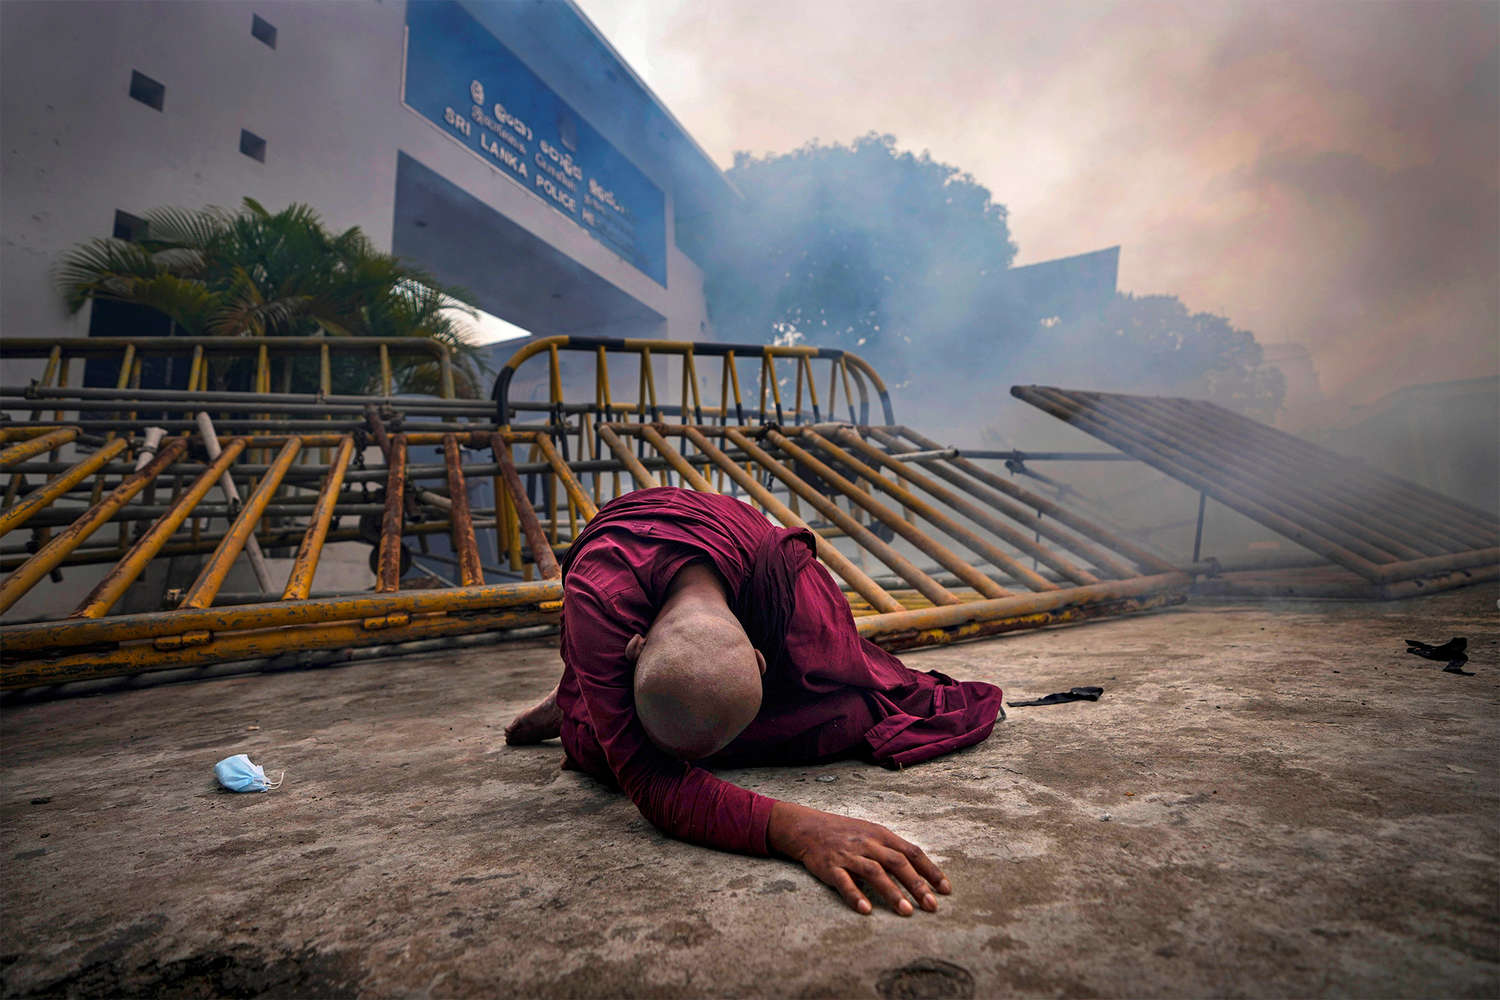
(688, 802)
(840, 851)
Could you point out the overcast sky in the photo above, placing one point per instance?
(1323, 173)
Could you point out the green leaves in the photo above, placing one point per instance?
(255, 273)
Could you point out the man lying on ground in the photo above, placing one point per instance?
(697, 633)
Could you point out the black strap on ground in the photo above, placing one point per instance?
(1450, 650)
(1456, 666)
(1062, 697)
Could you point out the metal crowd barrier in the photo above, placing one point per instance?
(930, 546)
(845, 370)
(1385, 537)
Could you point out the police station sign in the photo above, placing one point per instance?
(463, 80)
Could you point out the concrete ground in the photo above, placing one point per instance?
(1268, 801)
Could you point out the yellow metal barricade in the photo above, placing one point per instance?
(928, 550)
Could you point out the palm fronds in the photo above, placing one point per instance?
(253, 272)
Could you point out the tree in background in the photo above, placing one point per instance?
(852, 246)
(902, 259)
(255, 273)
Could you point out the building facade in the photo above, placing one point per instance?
(505, 147)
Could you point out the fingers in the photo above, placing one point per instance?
(841, 881)
(923, 864)
(874, 875)
(898, 865)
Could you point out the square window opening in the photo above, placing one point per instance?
(147, 90)
(129, 227)
(263, 30)
(252, 145)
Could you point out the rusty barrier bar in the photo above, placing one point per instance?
(389, 560)
(332, 426)
(1068, 614)
(35, 446)
(944, 556)
(231, 492)
(536, 538)
(1013, 501)
(110, 589)
(1296, 583)
(867, 539)
(643, 479)
(675, 459)
(1308, 531)
(187, 471)
(1153, 456)
(305, 565)
(570, 483)
(203, 649)
(23, 432)
(18, 583)
(1108, 563)
(924, 626)
(1319, 513)
(976, 543)
(1410, 499)
(840, 564)
(1287, 503)
(201, 593)
(43, 496)
(42, 637)
(464, 542)
(1412, 513)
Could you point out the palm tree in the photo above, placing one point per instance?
(254, 273)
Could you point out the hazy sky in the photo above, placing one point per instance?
(1323, 173)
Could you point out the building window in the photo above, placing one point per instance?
(263, 30)
(147, 90)
(110, 318)
(252, 145)
(129, 227)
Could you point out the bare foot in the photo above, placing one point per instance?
(542, 721)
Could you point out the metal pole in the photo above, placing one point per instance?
(1198, 532)
(232, 497)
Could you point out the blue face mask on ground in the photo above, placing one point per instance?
(239, 775)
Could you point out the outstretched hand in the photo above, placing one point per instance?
(839, 850)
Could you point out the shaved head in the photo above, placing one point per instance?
(697, 680)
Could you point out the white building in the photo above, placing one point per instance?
(503, 146)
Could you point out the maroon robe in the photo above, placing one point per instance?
(827, 693)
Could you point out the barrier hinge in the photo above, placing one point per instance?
(196, 637)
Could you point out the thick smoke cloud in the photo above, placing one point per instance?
(1323, 173)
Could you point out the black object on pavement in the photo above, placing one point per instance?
(1450, 650)
(1456, 666)
(1062, 697)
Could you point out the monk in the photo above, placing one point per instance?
(697, 635)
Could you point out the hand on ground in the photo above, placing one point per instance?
(843, 852)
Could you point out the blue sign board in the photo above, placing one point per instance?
(464, 81)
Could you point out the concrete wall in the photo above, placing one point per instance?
(327, 100)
